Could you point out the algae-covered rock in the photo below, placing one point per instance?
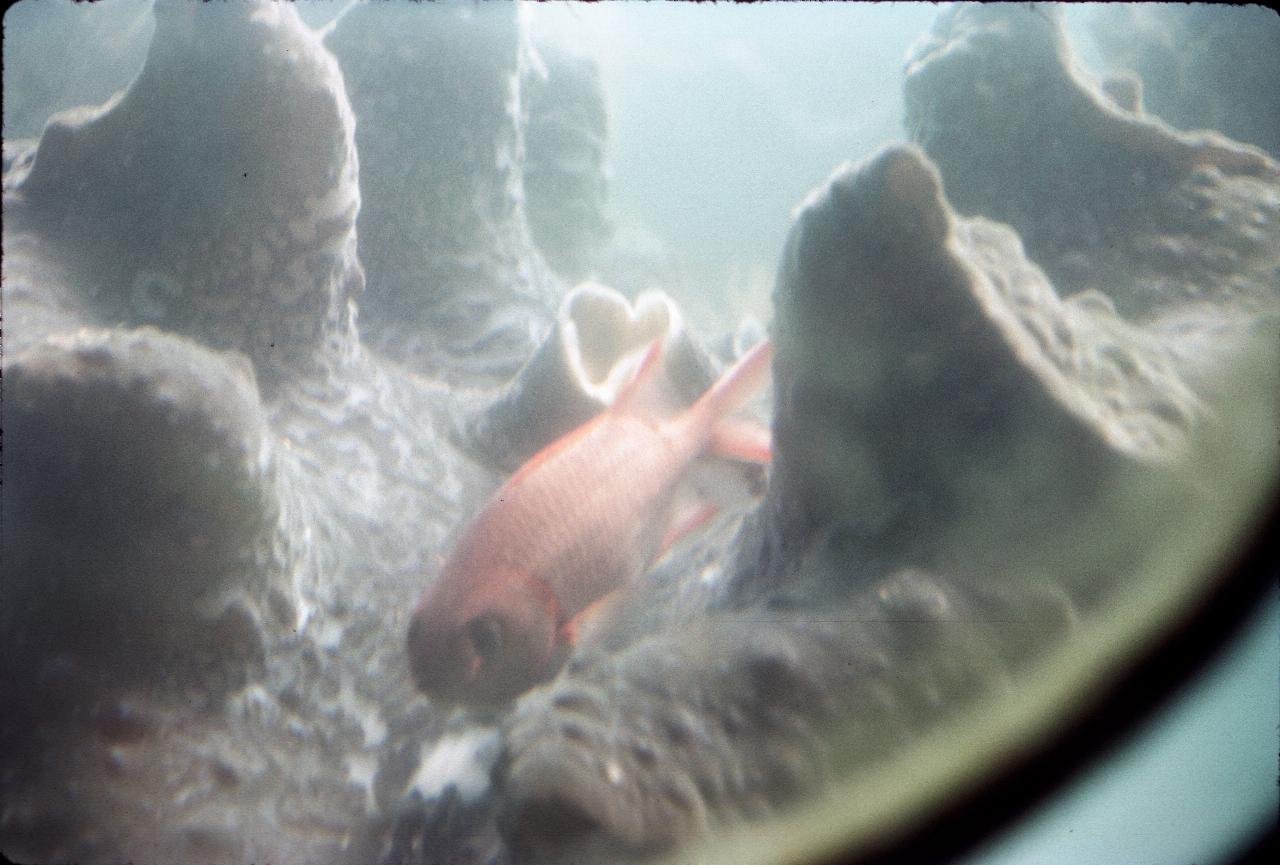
(204, 463)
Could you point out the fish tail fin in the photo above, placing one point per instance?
(732, 390)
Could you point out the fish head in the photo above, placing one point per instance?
(489, 649)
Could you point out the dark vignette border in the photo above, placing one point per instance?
(1106, 722)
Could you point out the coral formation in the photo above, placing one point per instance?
(156, 450)
(889, 309)
(458, 288)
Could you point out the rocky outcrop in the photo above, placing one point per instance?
(458, 289)
(738, 676)
(891, 309)
(1202, 67)
(207, 456)
(266, 263)
(147, 481)
(1103, 198)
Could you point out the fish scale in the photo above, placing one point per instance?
(575, 500)
(649, 470)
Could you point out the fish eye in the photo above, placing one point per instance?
(486, 636)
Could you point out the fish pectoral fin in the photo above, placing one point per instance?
(742, 439)
(573, 631)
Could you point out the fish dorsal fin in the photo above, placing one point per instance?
(649, 365)
(543, 456)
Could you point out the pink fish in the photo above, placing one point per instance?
(582, 518)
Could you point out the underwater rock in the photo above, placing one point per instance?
(564, 176)
(1104, 199)
(207, 552)
(928, 376)
(146, 487)
(734, 714)
(591, 353)
(937, 408)
(144, 539)
(1204, 67)
(266, 263)
(458, 289)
